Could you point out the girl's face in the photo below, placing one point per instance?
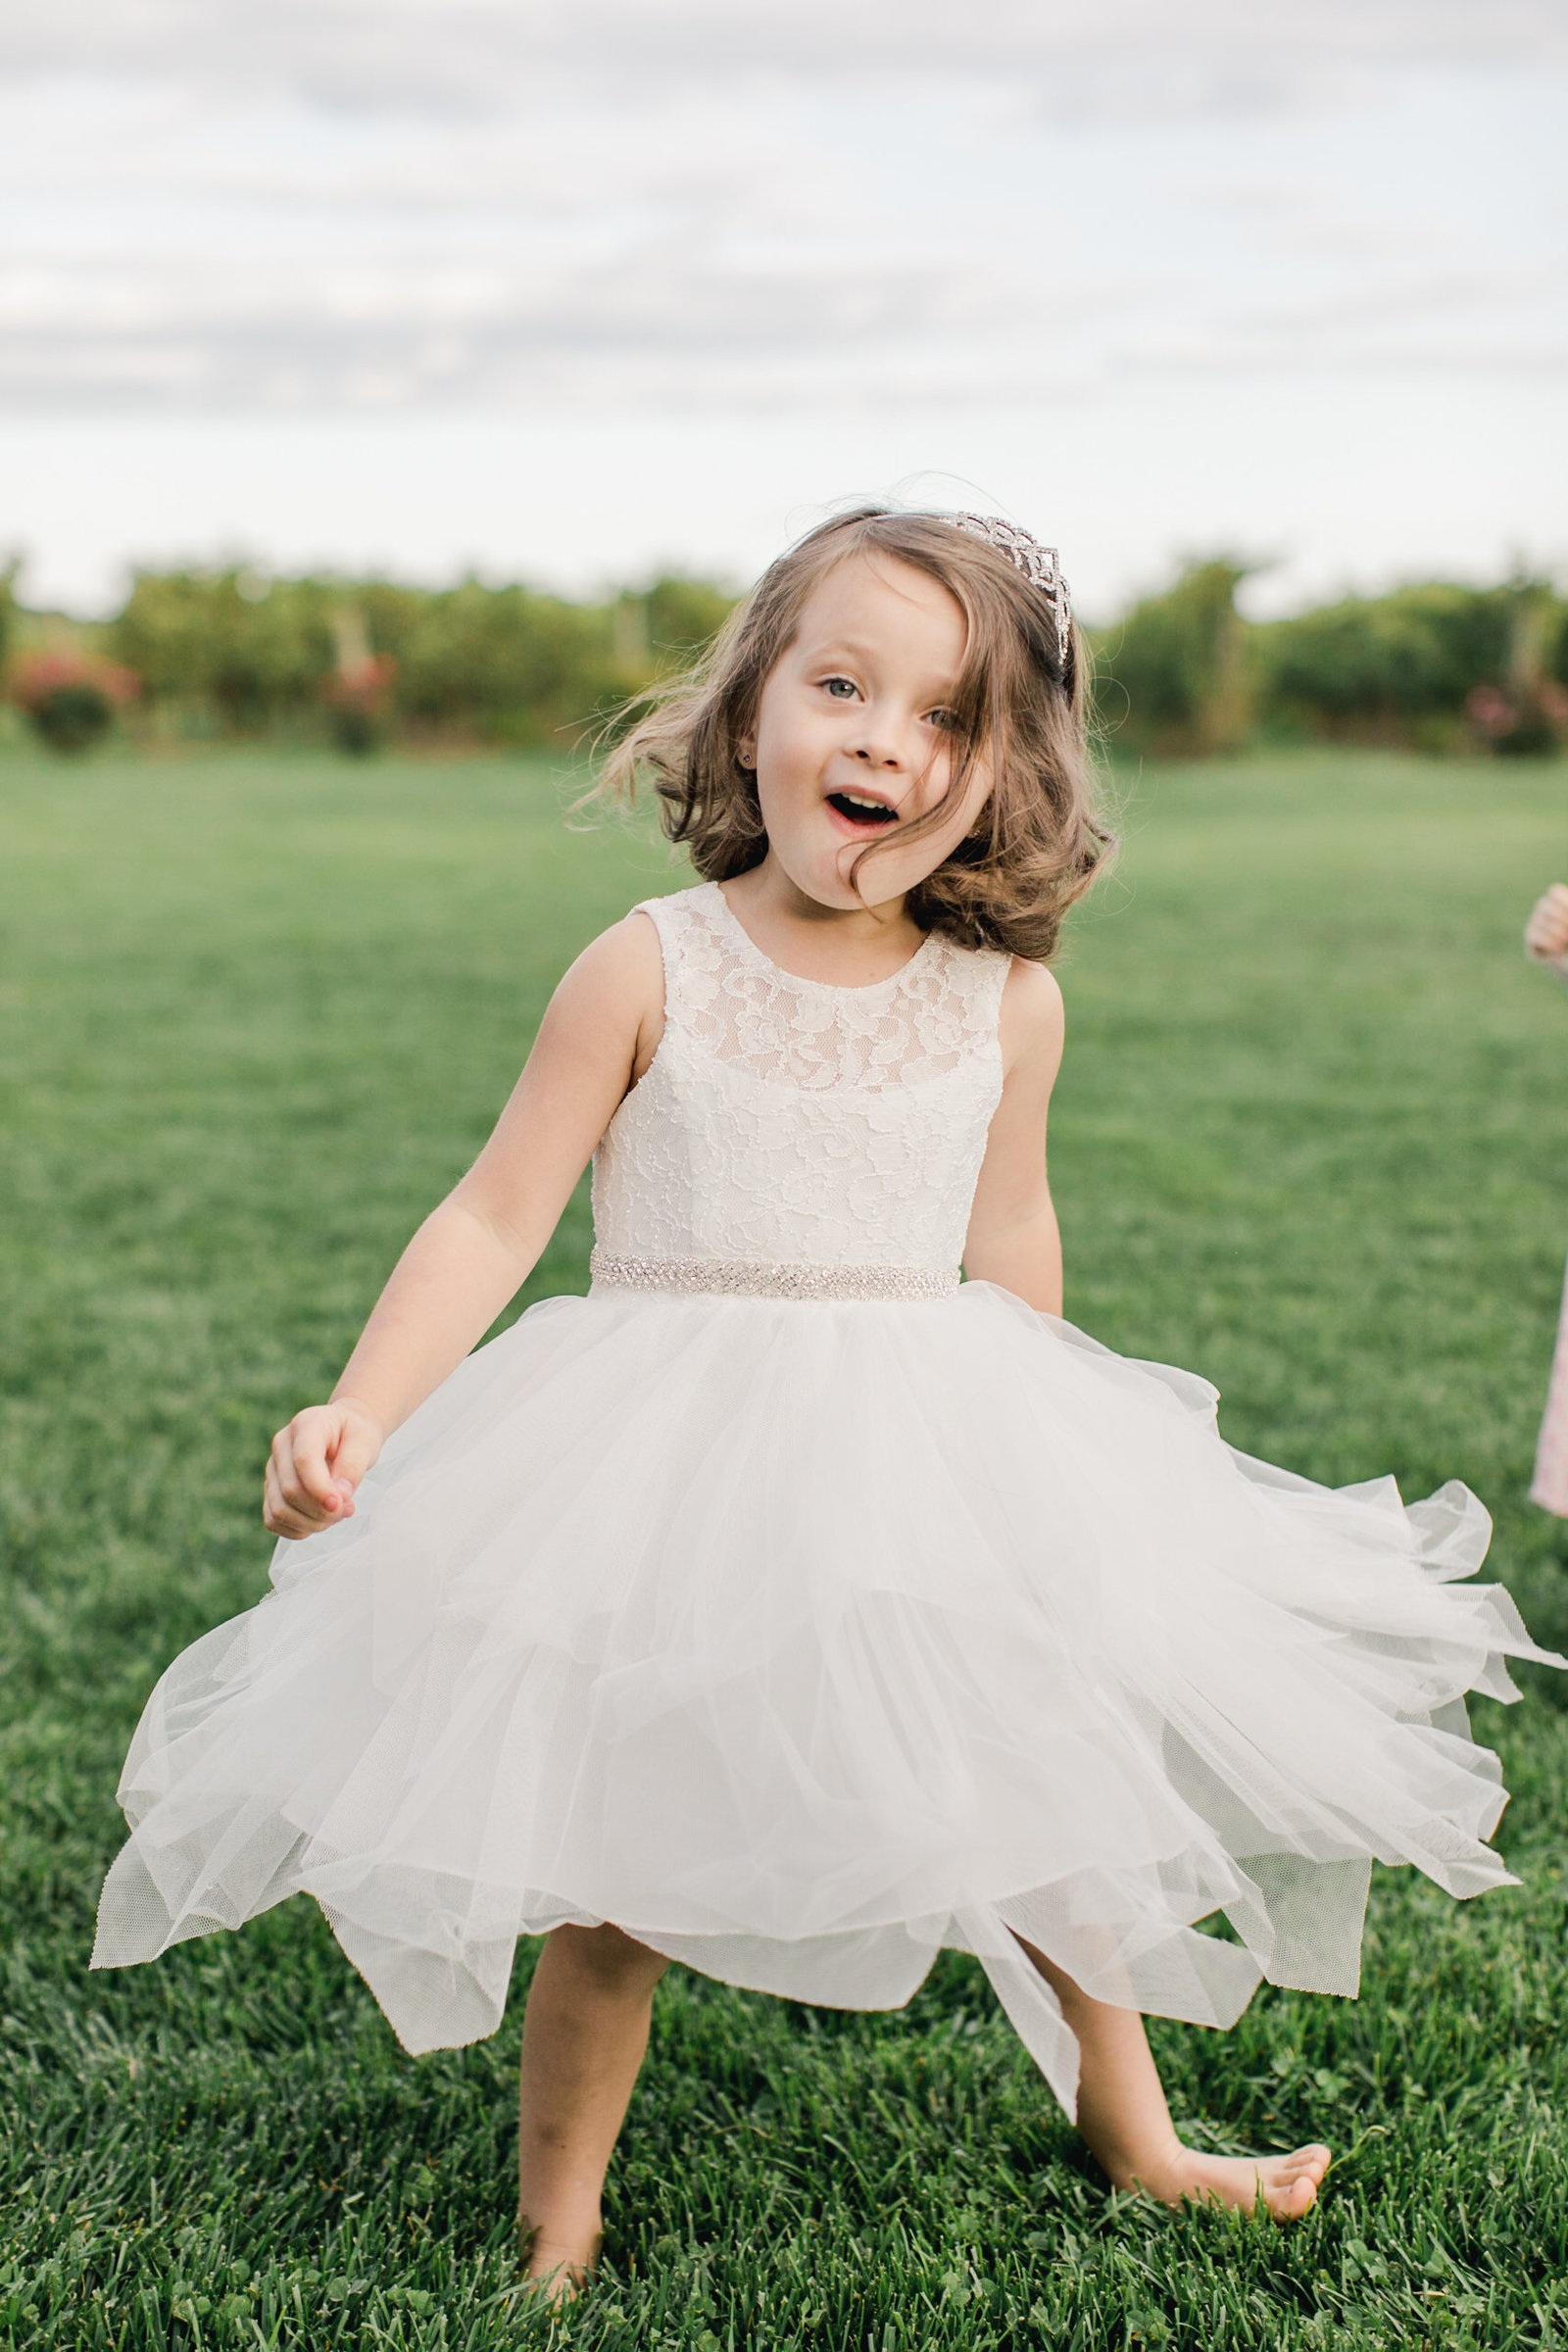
(854, 740)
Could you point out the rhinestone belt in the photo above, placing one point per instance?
(733, 1277)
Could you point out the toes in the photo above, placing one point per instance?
(1292, 2199)
(1314, 2160)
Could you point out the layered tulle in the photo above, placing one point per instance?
(802, 1640)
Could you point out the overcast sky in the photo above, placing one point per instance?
(577, 290)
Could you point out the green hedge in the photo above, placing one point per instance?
(244, 654)
(1433, 667)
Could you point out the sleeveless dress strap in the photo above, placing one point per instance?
(990, 980)
(668, 917)
(977, 976)
(672, 917)
(694, 953)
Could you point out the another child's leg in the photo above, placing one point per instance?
(583, 2037)
(1123, 2116)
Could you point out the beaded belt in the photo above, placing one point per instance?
(734, 1278)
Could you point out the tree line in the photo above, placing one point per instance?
(1431, 668)
(232, 652)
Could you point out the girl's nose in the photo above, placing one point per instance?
(878, 754)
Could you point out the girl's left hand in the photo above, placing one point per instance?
(315, 1466)
(1546, 932)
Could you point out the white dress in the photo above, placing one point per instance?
(803, 1612)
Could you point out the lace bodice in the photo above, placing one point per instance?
(785, 1123)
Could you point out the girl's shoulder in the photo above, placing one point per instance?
(1032, 1019)
(619, 971)
(1032, 987)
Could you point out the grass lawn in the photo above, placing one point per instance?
(1312, 1139)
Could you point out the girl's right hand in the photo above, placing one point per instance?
(1546, 932)
(315, 1465)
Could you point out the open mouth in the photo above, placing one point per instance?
(857, 809)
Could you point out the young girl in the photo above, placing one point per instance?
(782, 1607)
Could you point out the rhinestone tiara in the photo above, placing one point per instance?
(1040, 566)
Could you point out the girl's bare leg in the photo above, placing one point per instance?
(1123, 2116)
(583, 2036)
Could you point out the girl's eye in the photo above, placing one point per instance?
(841, 689)
(946, 720)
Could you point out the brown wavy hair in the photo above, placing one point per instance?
(1037, 842)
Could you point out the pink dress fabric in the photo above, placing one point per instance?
(1549, 1486)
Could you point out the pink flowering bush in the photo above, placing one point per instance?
(1527, 718)
(71, 696)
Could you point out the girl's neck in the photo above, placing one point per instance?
(849, 947)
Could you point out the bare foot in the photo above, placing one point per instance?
(557, 2274)
(1288, 2183)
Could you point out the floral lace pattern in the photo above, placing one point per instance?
(921, 1024)
(786, 1122)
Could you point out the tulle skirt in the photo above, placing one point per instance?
(801, 1640)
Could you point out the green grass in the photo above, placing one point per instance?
(1312, 1139)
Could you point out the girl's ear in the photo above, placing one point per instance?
(746, 751)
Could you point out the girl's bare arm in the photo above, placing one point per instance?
(1012, 1238)
(468, 1258)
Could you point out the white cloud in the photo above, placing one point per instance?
(1286, 271)
(434, 56)
(360, 203)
